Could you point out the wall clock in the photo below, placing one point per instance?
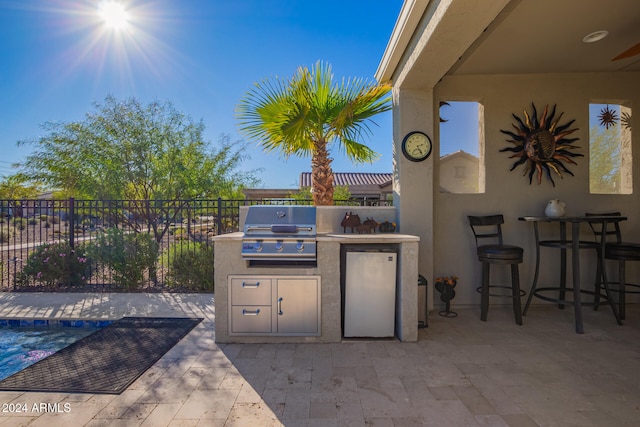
(416, 146)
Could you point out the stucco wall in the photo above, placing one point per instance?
(509, 193)
(413, 182)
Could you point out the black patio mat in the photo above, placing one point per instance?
(105, 362)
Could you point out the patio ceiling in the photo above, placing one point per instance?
(509, 37)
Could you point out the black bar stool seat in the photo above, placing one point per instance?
(497, 253)
(626, 251)
(490, 228)
(616, 250)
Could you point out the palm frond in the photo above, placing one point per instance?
(309, 113)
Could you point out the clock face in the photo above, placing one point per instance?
(416, 146)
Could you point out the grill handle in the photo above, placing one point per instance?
(284, 229)
(279, 228)
(258, 229)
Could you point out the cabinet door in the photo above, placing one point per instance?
(297, 309)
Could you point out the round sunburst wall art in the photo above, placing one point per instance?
(608, 117)
(541, 144)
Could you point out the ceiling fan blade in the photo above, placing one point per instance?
(633, 51)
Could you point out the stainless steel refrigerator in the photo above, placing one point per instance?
(370, 293)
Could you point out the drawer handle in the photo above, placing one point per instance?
(246, 312)
(250, 285)
(280, 306)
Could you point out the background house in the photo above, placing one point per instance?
(459, 173)
(370, 187)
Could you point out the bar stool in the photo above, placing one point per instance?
(490, 228)
(615, 250)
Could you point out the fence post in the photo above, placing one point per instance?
(189, 216)
(148, 214)
(72, 226)
(219, 217)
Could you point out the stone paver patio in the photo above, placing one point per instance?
(462, 372)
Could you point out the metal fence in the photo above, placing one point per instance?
(112, 245)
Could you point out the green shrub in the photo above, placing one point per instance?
(54, 264)
(190, 266)
(127, 255)
(177, 231)
(5, 234)
(19, 223)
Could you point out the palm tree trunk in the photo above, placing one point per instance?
(321, 175)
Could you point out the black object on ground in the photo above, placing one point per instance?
(105, 362)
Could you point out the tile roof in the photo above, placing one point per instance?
(351, 178)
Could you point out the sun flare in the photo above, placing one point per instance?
(114, 15)
(113, 40)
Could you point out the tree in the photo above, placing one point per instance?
(126, 150)
(307, 114)
(16, 187)
(605, 158)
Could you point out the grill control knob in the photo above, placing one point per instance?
(300, 246)
(257, 247)
(279, 246)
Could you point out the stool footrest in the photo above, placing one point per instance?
(538, 291)
(616, 290)
(504, 295)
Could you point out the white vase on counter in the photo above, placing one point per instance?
(555, 208)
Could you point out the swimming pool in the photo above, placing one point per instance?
(24, 342)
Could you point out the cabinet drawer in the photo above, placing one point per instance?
(251, 319)
(251, 291)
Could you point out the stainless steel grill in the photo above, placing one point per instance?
(280, 233)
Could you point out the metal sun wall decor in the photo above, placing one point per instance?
(608, 117)
(541, 144)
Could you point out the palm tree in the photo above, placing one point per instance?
(307, 114)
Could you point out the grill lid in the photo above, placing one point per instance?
(276, 233)
(277, 220)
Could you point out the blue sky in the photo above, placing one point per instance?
(202, 55)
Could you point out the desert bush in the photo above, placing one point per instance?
(177, 231)
(190, 265)
(55, 264)
(126, 255)
(5, 235)
(19, 223)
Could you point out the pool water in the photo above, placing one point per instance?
(23, 343)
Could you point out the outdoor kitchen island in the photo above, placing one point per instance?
(318, 284)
